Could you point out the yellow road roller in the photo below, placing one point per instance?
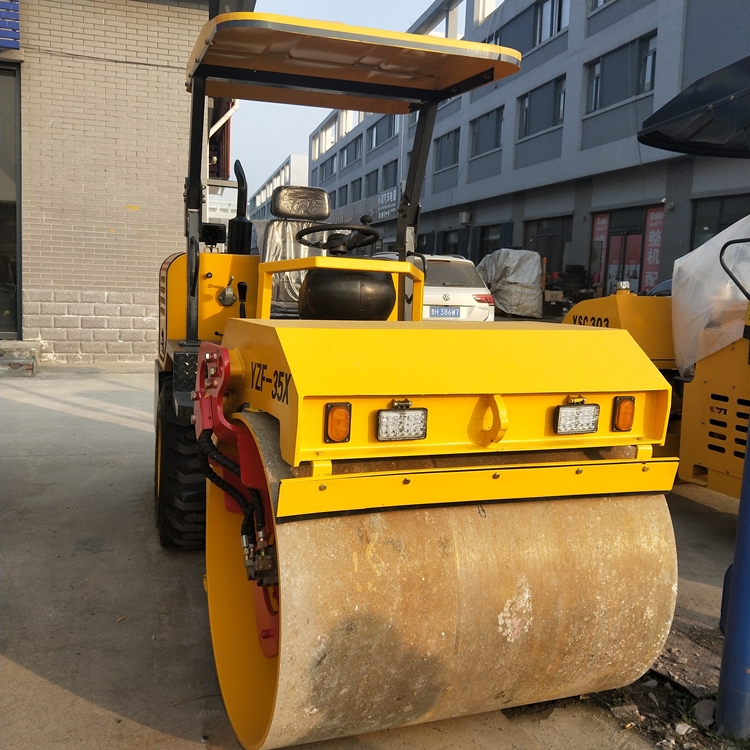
(404, 521)
(708, 425)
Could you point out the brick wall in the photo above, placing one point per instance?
(104, 156)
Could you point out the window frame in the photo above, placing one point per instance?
(558, 115)
(524, 123)
(594, 85)
(394, 165)
(323, 169)
(475, 134)
(392, 130)
(356, 145)
(352, 191)
(437, 146)
(368, 181)
(549, 24)
(647, 63)
(14, 71)
(329, 135)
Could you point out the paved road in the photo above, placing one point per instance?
(105, 640)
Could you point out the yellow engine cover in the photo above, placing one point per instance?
(716, 404)
(486, 389)
(647, 319)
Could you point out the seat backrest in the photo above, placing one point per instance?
(295, 208)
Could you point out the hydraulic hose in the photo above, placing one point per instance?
(253, 509)
(215, 455)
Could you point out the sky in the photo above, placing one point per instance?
(263, 135)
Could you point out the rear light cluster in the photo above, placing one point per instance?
(399, 423)
(623, 414)
(484, 299)
(579, 418)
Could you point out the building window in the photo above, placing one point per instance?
(551, 16)
(621, 74)
(328, 135)
(494, 237)
(714, 215)
(594, 90)
(594, 4)
(315, 147)
(332, 199)
(450, 243)
(487, 132)
(647, 60)
(342, 201)
(371, 184)
(328, 168)
(356, 190)
(10, 197)
(559, 101)
(446, 150)
(523, 116)
(383, 130)
(351, 152)
(349, 120)
(390, 174)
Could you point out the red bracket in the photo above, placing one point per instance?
(211, 383)
(212, 380)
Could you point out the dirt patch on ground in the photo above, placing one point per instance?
(673, 704)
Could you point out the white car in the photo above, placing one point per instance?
(453, 288)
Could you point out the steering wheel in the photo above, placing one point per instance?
(361, 235)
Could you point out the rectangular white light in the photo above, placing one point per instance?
(402, 424)
(576, 419)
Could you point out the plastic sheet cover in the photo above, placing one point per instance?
(708, 310)
(515, 279)
(276, 240)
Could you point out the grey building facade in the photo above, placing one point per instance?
(548, 159)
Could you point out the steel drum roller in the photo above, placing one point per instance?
(409, 616)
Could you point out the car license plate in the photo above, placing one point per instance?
(445, 312)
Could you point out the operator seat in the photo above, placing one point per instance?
(295, 208)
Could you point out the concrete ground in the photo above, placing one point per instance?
(105, 640)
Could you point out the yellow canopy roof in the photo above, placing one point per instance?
(322, 64)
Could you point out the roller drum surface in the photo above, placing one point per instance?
(415, 615)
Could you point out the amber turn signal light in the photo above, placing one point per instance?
(338, 422)
(623, 413)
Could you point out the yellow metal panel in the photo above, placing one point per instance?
(174, 306)
(291, 369)
(215, 270)
(466, 423)
(212, 315)
(314, 495)
(647, 319)
(289, 47)
(713, 439)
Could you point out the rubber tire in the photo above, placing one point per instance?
(179, 483)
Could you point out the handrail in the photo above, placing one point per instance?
(267, 270)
